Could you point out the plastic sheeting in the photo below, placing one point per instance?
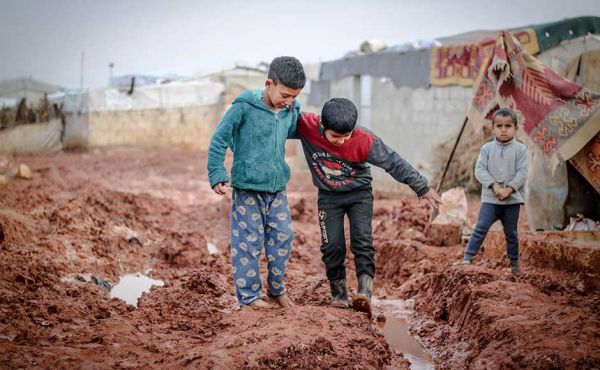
(28, 88)
(4, 102)
(319, 93)
(404, 69)
(173, 95)
(552, 34)
(35, 138)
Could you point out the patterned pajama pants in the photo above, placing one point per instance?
(259, 220)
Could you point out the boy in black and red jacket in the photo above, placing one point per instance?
(338, 156)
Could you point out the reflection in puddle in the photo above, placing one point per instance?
(131, 287)
(397, 334)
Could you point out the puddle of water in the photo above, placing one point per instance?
(397, 334)
(131, 287)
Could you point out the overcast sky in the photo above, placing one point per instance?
(45, 38)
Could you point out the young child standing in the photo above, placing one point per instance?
(338, 155)
(256, 128)
(501, 169)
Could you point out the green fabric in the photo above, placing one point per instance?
(559, 31)
(256, 136)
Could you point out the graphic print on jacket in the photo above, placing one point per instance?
(332, 171)
(346, 167)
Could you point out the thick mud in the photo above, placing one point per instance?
(86, 219)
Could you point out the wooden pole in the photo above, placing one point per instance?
(434, 211)
(462, 129)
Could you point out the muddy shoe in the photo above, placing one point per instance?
(283, 300)
(516, 270)
(259, 304)
(339, 293)
(362, 300)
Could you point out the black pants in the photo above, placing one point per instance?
(358, 205)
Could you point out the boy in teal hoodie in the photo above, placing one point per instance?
(256, 128)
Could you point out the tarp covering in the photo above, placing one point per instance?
(124, 81)
(5, 102)
(552, 34)
(172, 95)
(560, 116)
(28, 88)
(461, 64)
(453, 64)
(404, 69)
(37, 138)
(587, 162)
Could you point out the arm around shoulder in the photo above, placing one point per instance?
(297, 114)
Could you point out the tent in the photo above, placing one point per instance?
(28, 88)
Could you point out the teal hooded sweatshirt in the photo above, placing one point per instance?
(256, 136)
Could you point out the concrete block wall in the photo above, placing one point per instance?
(413, 121)
(188, 127)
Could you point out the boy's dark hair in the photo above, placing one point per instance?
(339, 115)
(506, 112)
(288, 71)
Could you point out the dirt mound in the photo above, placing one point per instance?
(86, 219)
(297, 356)
(491, 317)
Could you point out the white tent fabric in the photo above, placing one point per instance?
(32, 90)
(5, 102)
(38, 138)
(172, 95)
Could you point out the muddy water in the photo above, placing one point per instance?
(396, 330)
(131, 287)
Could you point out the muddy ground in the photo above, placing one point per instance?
(107, 214)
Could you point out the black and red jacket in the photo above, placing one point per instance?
(346, 167)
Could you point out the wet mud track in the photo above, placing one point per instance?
(104, 215)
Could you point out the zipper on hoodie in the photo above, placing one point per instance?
(264, 108)
(276, 144)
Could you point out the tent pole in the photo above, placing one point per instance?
(434, 211)
(462, 129)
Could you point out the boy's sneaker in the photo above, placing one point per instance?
(339, 293)
(362, 300)
(515, 269)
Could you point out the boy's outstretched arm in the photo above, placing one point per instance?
(382, 156)
(220, 141)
